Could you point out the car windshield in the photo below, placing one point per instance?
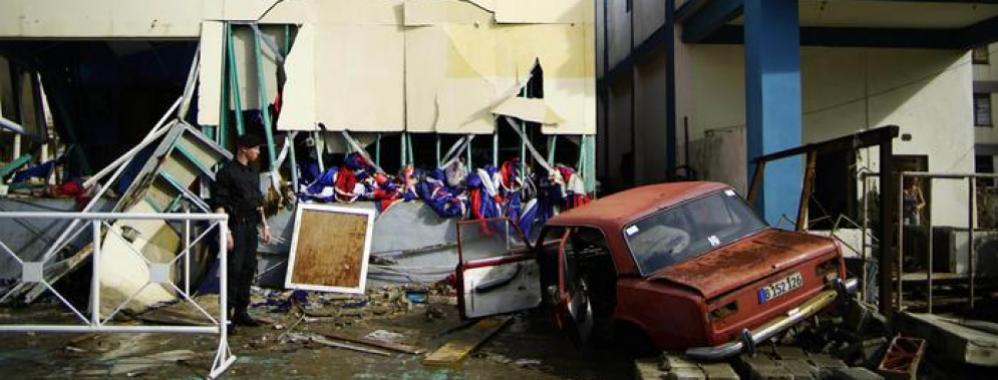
(690, 229)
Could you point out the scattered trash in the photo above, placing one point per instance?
(384, 336)
(416, 296)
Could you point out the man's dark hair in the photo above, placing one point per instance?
(248, 140)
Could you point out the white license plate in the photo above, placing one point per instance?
(780, 287)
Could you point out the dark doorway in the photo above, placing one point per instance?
(834, 194)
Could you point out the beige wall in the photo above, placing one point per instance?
(845, 90)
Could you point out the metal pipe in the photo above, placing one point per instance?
(377, 150)
(187, 251)
(495, 147)
(107, 215)
(866, 223)
(438, 149)
(972, 198)
(262, 98)
(12, 126)
(234, 90)
(110, 329)
(185, 106)
(402, 160)
(900, 237)
(154, 133)
(929, 272)
(95, 280)
(223, 285)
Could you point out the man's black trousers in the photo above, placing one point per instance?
(242, 264)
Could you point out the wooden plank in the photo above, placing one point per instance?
(465, 342)
(329, 249)
(398, 347)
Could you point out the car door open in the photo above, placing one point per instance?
(497, 271)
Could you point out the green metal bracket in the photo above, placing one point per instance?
(11, 167)
(234, 79)
(552, 143)
(264, 102)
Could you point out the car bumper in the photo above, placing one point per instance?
(750, 338)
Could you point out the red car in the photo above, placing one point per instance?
(688, 264)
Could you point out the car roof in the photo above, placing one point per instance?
(615, 210)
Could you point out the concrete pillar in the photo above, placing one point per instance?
(773, 101)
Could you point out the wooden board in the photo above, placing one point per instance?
(330, 246)
(465, 341)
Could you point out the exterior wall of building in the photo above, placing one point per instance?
(987, 137)
(846, 90)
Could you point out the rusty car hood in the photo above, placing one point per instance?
(745, 261)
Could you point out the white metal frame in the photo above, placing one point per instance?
(294, 248)
(95, 323)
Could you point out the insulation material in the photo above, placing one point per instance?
(534, 110)
(545, 12)
(210, 72)
(298, 110)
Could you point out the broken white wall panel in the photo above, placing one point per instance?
(451, 81)
(298, 103)
(488, 5)
(245, 10)
(566, 53)
(330, 249)
(210, 73)
(360, 77)
(432, 12)
(529, 109)
(292, 12)
(546, 11)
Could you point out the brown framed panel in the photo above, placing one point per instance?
(330, 247)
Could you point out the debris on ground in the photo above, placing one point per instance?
(465, 341)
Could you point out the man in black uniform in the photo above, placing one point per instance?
(236, 192)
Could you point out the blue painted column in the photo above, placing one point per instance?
(773, 102)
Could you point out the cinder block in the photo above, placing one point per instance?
(789, 352)
(853, 373)
(823, 361)
(753, 361)
(689, 373)
(801, 369)
(647, 369)
(719, 371)
(771, 373)
(671, 361)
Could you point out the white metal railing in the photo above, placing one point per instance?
(33, 273)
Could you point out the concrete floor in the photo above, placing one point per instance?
(527, 348)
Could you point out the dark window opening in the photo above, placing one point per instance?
(981, 55)
(982, 110)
